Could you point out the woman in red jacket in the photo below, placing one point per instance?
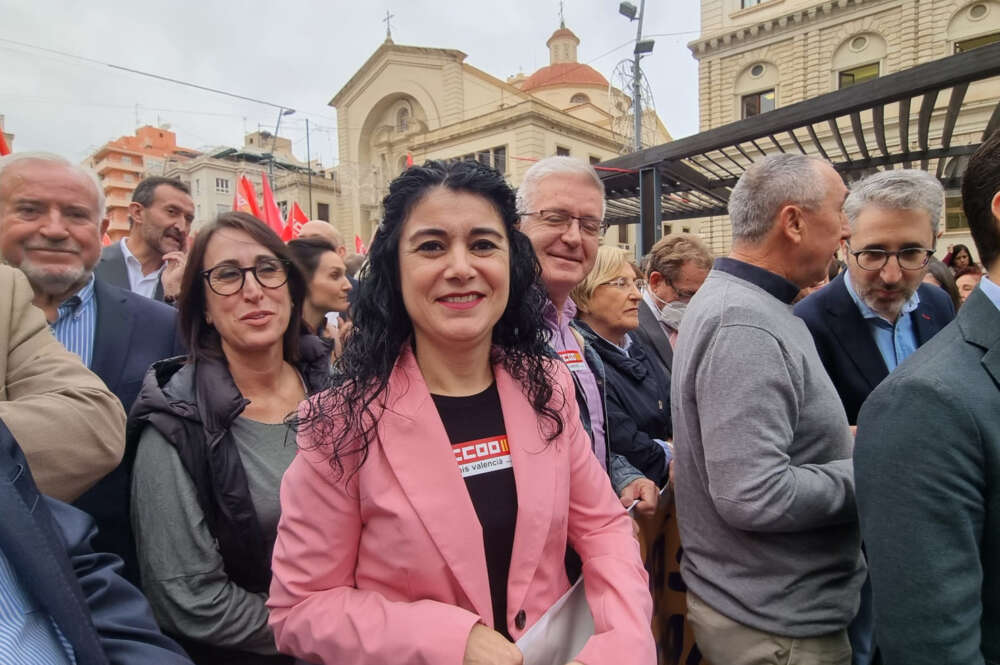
(427, 516)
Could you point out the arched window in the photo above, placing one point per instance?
(402, 119)
(859, 59)
(579, 98)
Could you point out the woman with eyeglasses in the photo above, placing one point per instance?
(442, 478)
(213, 442)
(638, 394)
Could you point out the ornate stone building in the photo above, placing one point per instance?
(428, 103)
(754, 56)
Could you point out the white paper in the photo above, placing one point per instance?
(560, 634)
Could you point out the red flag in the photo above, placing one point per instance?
(359, 247)
(272, 214)
(4, 148)
(245, 198)
(409, 160)
(296, 218)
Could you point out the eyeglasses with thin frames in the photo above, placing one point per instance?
(561, 219)
(910, 258)
(625, 284)
(227, 279)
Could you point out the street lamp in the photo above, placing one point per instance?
(274, 140)
(642, 46)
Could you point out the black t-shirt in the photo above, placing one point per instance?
(478, 438)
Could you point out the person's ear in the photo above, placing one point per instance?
(105, 223)
(655, 279)
(995, 207)
(135, 210)
(792, 222)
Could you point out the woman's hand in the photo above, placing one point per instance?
(488, 647)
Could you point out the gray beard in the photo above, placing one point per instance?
(55, 283)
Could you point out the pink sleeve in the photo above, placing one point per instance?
(600, 531)
(317, 612)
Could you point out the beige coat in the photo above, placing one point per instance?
(70, 426)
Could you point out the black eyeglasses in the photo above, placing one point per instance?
(911, 258)
(561, 219)
(681, 294)
(226, 279)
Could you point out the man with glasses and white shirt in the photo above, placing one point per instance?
(677, 265)
(561, 201)
(877, 312)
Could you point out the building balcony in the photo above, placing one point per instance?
(108, 164)
(118, 201)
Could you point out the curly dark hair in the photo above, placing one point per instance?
(382, 325)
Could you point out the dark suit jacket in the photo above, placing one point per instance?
(651, 334)
(105, 619)
(112, 270)
(845, 343)
(927, 474)
(132, 332)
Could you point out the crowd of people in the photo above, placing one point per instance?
(222, 448)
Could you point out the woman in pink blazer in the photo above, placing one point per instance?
(427, 516)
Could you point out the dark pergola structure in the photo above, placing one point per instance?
(692, 177)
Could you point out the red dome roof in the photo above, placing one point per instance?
(564, 74)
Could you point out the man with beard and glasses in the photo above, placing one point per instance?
(676, 267)
(877, 312)
(52, 218)
(150, 260)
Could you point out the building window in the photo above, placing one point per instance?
(126, 159)
(403, 120)
(500, 159)
(579, 98)
(757, 70)
(594, 160)
(849, 77)
(749, 3)
(129, 177)
(283, 206)
(222, 185)
(976, 42)
(197, 186)
(484, 157)
(561, 151)
(954, 216)
(757, 103)
(323, 211)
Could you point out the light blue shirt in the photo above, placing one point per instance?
(76, 321)
(28, 635)
(990, 290)
(894, 341)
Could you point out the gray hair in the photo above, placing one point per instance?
(556, 165)
(17, 157)
(768, 185)
(905, 189)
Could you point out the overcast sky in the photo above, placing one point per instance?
(293, 53)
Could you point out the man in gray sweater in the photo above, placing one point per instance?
(764, 482)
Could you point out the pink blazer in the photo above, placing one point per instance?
(389, 568)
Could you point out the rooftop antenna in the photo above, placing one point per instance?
(562, 14)
(388, 25)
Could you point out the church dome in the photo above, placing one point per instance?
(564, 74)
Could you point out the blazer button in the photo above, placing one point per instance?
(520, 620)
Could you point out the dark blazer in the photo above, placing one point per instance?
(132, 332)
(112, 270)
(845, 343)
(927, 474)
(104, 618)
(650, 333)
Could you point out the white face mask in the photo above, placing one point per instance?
(670, 313)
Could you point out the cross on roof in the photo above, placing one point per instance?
(388, 25)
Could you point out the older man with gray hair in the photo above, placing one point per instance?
(764, 482)
(873, 316)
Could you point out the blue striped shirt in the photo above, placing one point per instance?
(28, 636)
(76, 322)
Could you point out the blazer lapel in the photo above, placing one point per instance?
(853, 334)
(112, 335)
(417, 448)
(980, 323)
(661, 343)
(535, 477)
(37, 553)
